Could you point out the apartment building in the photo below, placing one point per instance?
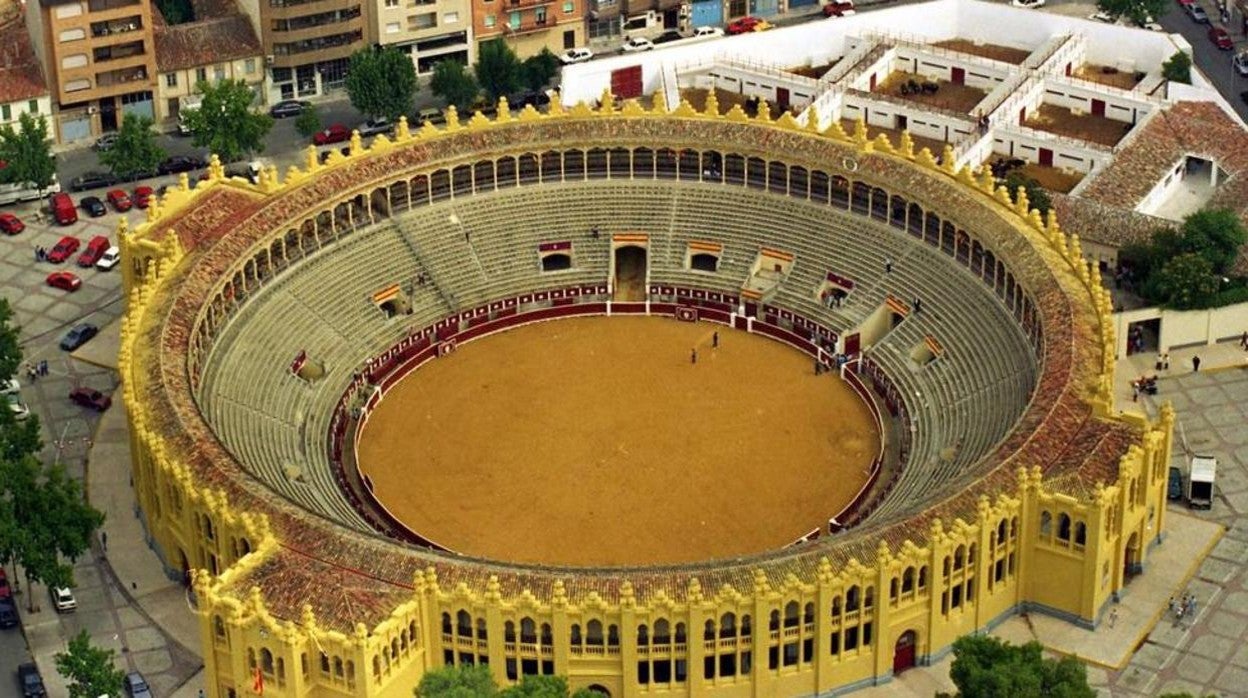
(528, 26)
(99, 59)
(308, 43)
(219, 44)
(22, 87)
(428, 30)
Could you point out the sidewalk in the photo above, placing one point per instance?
(1214, 357)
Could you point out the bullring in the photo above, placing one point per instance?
(254, 342)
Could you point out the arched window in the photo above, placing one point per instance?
(868, 599)
(1001, 532)
(643, 635)
(907, 580)
(851, 599)
(923, 577)
(613, 636)
(970, 555)
(1046, 523)
(481, 631)
(446, 624)
(948, 566)
(894, 587)
(836, 606)
(528, 630)
(745, 625)
(709, 632)
(463, 623)
(281, 669)
(662, 632)
(509, 632)
(808, 614)
(790, 614)
(1063, 527)
(575, 634)
(774, 622)
(350, 670)
(376, 667)
(959, 557)
(680, 632)
(251, 658)
(1081, 533)
(266, 661)
(727, 625)
(394, 649)
(338, 667)
(547, 638)
(593, 633)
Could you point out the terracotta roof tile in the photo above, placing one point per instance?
(218, 35)
(21, 76)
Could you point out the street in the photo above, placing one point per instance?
(1215, 64)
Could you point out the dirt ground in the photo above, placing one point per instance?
(597, 442)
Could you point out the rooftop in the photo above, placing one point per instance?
(21, 76)
(219, 33)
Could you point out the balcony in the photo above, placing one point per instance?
(116, 26)
(320, 43)
(123, 76)
(117, 52)
(319, 19)
(522, 4)
(106, 5)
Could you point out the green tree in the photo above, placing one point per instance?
(537, 687)
(90, 670)
(27, 153)
(225, 122)
(176, 11)
(457, 682)
(309, 121)
(498, 69)
(381, 82)
(1138, 11)
(135, 151)
(1037, 196)
(453, 83)
(1184, 282)
(987, 666)
(1178, 68)
(1215, 234)
(539, 69)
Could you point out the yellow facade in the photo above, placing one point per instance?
(794, 626)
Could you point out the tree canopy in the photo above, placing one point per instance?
(1178, 68)
(986, 666)
(539, 69)
(453, 83)
(1138, 11)
(309, 121)
(478, 682)
(27, 153)
(381, 82)
(89, 670)
(135, 151)
(1190, 267)
(498, 69)
(1037, 195)
(225, 122)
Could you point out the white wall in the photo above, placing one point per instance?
(1025, 144)
(1180, 328)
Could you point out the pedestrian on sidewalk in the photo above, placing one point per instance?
(715, 341)
(888, 266)
(1113, 616)
(1195, 364)
(1243, 341)
(104, 541)
(43, 367)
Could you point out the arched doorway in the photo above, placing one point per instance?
(1131, 565)
(904, 651)
(630, 273)
(600, 690)
(184, 567)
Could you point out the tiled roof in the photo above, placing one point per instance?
(211, 39)
(1105, 223)
(1057, 432)
(21, 76)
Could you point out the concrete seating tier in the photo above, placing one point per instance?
(474, 249)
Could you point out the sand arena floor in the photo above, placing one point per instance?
(596, 442)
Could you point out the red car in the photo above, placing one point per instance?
(142, 196)
(64, 280)
(95, 249)
(11, 224)
(1220, 38)
(63, 249)
(838, 9)
(745, 25)
(120, 200)
(63, 208)
(88, 397)
(334, 134)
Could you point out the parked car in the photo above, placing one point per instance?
(1221, 39)
(8, 614)
(520, 100)
(375, 126)
(105, 142)
(667, 37)
(92, 180)
(142, 196)
(6, 592)
(17, 408)
(89, 397)
(180, 163)
(30, 680)
(63, 209)
(1197, 13)
(287, 107)
(95, 249)
(701, 32)
(120, 200)
(93, 206)
(136, 687)
(63, 599)
(64, 280)
(748, 24)
(336, 133)
(431, 114)
(838, 9)
(11, 224)
(64, 247)
(637, 44)
(78, 336)
(110, 259)
(1029, 4)
(576, 55)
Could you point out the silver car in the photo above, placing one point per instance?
(136, 686)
